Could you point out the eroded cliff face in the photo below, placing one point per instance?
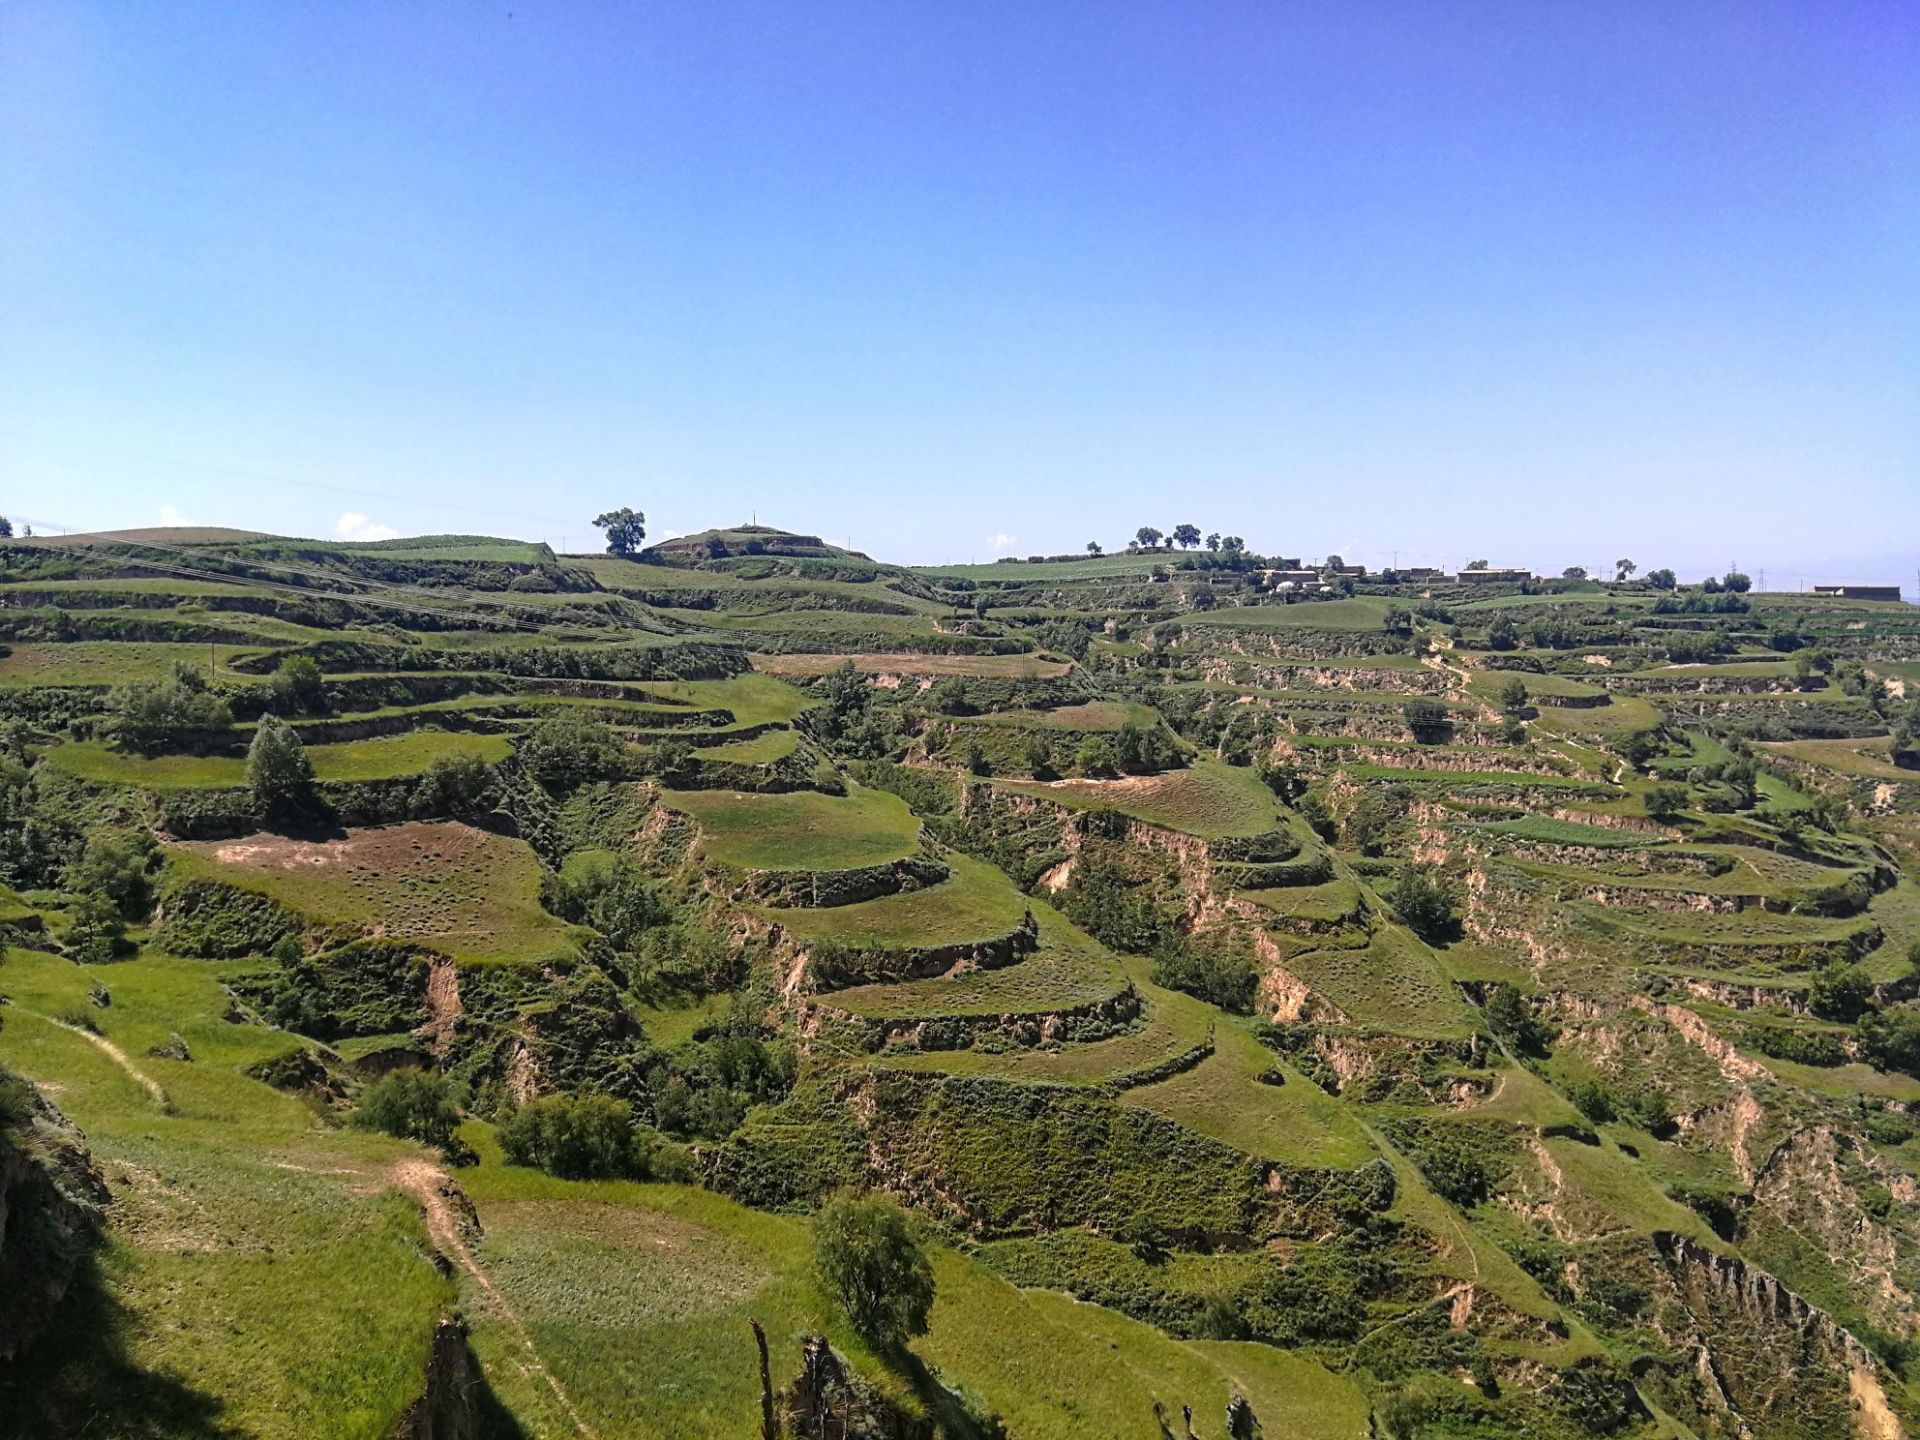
(52, 1202)
(1764, 1360)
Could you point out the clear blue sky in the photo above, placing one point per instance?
(1541, 283)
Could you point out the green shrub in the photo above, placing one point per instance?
(583, 1137)
(412, 1105)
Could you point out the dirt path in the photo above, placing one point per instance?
(430, 1185)
(114, 1053)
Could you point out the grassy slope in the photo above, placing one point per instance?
(258, 1268)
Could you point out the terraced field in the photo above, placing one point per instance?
(1232, 1002)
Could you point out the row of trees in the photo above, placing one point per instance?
(1186, 537)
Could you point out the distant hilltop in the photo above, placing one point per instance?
(747, 540)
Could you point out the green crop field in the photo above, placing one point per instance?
(101, 662)
(381, 758)
(468, 894)
(801, 830)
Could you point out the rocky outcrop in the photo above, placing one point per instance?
(448, 1407)
(52, 1202)
(830, 1400)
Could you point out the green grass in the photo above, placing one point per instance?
(1070, 970)
(1209, 799)
(638, 1297)
(1865, 759)
(1089, 715)
(470, 894)
(752, 699)
(384, 757)
(1394, 982)
(1362, 612)
(252, 1254)
(1175, 1024)
(801, 830)
(976, 903)
(1323, 904)
(1119, 566)
(773, 746)
(1486, 685)
(986, 667)
(1223, 1097)
(110, 662)
(1544, 830)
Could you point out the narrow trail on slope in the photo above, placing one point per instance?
(429, 1184)
(114, 1053)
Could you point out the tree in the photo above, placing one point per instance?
(1335, 562)
(1840, 992)
(1477, 565)
(566, 749)
(865, 1253)
(94, 936)
(6, 528)
(116, 866)
(1890, 1039)
(1623, 568)
(298, 688)
(1427, 719)
(1737, 582)
(460, 786)
(1147, 536)
(1574, 572)
(153, 717)
(1186, 536)
(1213, 541)
(1423, 899)
(1512, 1019)
(1093, 549)
(1503, 634)
(625, 528)
(1513, 694)
(279, 774)
(1232, 546)
(1662, 579)
(1665, 801)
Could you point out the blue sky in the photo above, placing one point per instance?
(1540, 283)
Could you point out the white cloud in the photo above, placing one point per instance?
(1000, 544)
(355, 526)
(171, 516)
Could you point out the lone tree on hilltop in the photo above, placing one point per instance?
(6, 528)
(1186, 536)
(625, 528)
(1148, 537)
(1213, 541)
(1661, 579)
(1574, 572)
(1623, 568)
(1093, 548)
(866, 1254)
(279, 774)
